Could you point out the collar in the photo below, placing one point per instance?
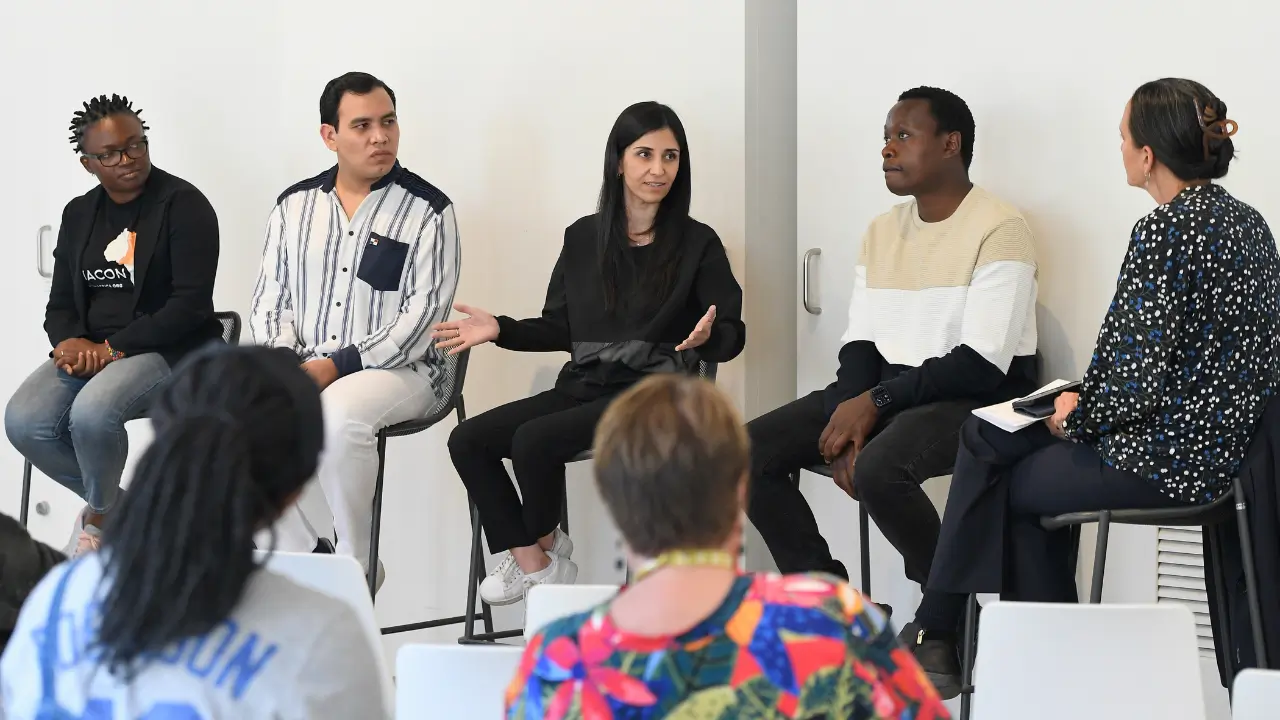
(331, 178)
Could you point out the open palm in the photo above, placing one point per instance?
(478, 328)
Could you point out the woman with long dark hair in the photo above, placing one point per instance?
(639, 288)
(132, 293)
(174, 617)
(1184, 365)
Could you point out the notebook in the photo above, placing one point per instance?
(1006, 418)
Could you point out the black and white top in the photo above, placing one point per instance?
(1188, 352)
(363, 291)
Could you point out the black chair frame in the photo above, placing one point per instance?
(451, 401)
(1203, 516)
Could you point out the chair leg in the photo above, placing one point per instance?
(473, 581)
(1100, 557)
(864, 547)
(1073, 561)
(26, 492)
(564, 511)
(376, 525)
(967, 656)
(1250, 575)
(1221, 629)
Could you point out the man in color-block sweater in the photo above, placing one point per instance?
(942, 321)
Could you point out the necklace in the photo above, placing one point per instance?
(686, 558)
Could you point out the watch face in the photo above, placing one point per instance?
(880, 397)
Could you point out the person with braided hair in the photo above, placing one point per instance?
(132, 293)
(175, 617)
(1184, 366)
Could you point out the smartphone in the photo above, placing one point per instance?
(1040, 405)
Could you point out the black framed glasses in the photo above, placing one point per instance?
(111, 158)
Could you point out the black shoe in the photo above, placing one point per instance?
(907, 636)
(886, 609)
(940, 663)
(324, 546)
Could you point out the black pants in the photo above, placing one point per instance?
(991, 538)
(908, 449)
(540, 434)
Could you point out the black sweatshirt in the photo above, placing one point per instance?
(613, 350)
(961, 374)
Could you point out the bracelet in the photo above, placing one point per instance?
(112, 353)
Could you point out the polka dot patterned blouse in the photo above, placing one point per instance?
(1187, 355)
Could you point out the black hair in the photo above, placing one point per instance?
(1185, 125)
(951, 113)
(356, 83)
(96, 109)
(238, 432)
(669, 223)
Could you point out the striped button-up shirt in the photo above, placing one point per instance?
(363, 291)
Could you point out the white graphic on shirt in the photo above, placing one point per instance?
(119, 253)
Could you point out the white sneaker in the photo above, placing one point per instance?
(503, 585)
(89, 541)
(562, 545)
(69, 549)
(561, 571)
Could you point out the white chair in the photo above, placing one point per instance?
(454, 681)
(1256, 695)
(338, 576)
(1102, 662)
(545, 604)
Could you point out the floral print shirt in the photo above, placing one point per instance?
(1187, 355)
(794, 646)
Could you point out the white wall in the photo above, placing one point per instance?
(504, 105)
(1047, 87)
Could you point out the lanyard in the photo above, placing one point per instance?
(687, 558)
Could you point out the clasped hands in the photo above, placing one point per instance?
(80, 357)
(845, 436)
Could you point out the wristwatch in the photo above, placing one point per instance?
(881, 397)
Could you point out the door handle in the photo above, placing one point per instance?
(46, 274)
(810, 307)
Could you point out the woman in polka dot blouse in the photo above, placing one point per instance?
(1184, 364)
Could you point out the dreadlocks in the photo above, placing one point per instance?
(97, 109)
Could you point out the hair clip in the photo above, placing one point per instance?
(1213, 128)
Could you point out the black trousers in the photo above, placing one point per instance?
(540, 434)
(991, 539)
(908, 449)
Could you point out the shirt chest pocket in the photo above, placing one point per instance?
(382, 262)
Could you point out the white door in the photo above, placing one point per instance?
(43, 175)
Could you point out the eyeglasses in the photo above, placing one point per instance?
(111, 158)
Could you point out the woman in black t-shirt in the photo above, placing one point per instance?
(132, 293)
(640, 287)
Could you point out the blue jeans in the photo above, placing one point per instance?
(72, 428)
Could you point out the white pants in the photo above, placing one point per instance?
(356, 407)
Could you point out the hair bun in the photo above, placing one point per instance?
(1217, 129)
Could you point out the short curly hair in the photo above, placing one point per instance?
(96, 109)
(951, 113)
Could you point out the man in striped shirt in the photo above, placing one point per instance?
(360, 261)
